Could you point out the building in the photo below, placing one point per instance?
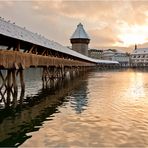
(139, 57)
(122, 58)
(117, 55)
(95, 53)
(108, 54)
(80, 40)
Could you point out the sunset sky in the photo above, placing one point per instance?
(108, 23)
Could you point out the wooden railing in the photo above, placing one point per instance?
(17, 60)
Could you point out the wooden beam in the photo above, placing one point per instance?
(22, 80)
(47, 52)
(4, 81)
(3, 98)
(8, 88)
(31, 49)
(9, 47)
(35, 50)
(50, 53)
(15, 88)
(43, 51)
(17, 46)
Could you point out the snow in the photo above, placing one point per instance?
(140, 51)
(120, 51)
(106, 62)
(80, 33)
(11, 30)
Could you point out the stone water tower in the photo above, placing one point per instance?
(80, 40)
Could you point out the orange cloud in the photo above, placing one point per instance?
(105, 21)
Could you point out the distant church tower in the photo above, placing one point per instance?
(80, 40)
(135, 46)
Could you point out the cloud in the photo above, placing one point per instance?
(104, 37)
(104, 21)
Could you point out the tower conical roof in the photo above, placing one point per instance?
(80, 33)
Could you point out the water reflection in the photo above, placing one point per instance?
(95, 111)
(136, 86)
(29, 116)
(11, 95)
(79, 98)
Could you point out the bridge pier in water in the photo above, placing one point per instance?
(12, 80)
(9, 86)
(52, 73)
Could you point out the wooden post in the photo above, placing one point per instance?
(63, 72)
(71, 73)
(8, 88)
(22, 80)
(22, 98)
(46, 76)
(43, 77)
(15, 88)
(1, 87)
(22, 86)
(18, 46)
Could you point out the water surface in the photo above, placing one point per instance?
(101, 109)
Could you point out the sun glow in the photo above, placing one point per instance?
(134, 34)
(130, 39)
(136, 86)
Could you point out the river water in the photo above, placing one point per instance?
(98, 109)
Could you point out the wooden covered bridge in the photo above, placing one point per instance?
(21, 49)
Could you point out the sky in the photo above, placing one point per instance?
(109, 24)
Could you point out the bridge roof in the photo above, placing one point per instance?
(11, 30)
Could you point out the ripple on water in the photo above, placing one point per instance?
(107, 109)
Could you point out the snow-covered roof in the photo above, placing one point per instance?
(106, 62)
(113, 51)
(16, 32)
(80, 33)
(140, 51)
(120, 51)
(108, 52)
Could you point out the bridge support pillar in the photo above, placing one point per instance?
(52, 73)
(22, 82)
(15, 87)
(9, 87)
